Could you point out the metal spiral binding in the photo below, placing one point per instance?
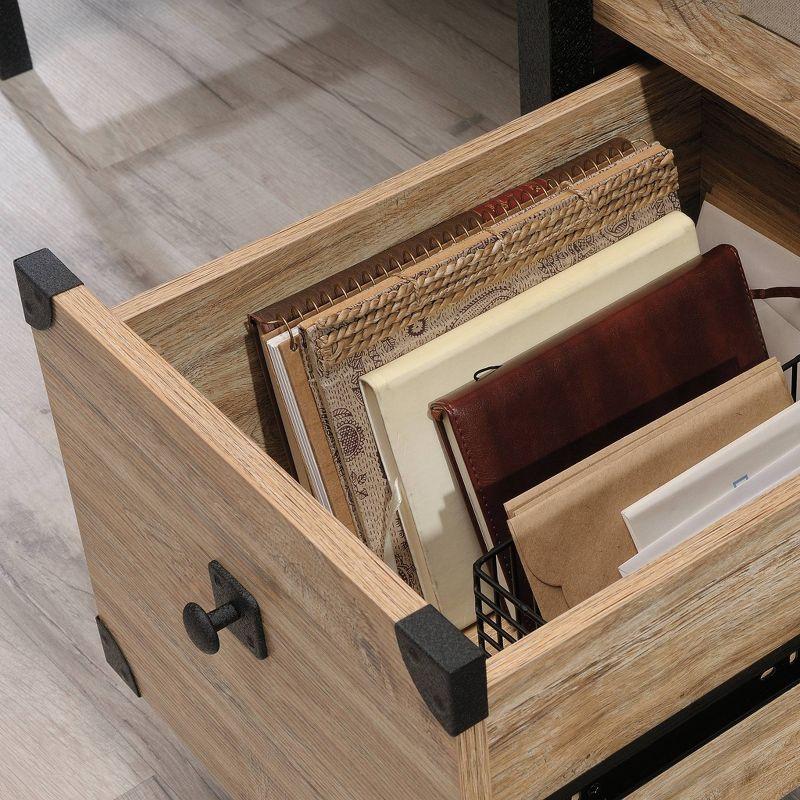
(476, 223)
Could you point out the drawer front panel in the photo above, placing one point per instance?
(755, 760)
(600, 676)
(163, 484)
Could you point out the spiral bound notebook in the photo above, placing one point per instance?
(291, 310)
(315, 465)
(571, 219)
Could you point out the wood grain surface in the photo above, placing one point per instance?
(164, 483)
(473, 759)
(150, 789)
(752, 171)
(708, 41)
(756, 759)
(586, 684)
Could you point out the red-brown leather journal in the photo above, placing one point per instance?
(548, 409)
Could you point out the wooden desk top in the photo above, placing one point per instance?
(710, 43)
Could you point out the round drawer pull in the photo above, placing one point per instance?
(203, 627)
(236, 610)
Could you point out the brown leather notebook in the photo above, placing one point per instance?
(548, 409)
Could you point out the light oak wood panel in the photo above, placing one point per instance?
(197, 322)
(752, 171)
(69, 728)
(591, 681)
(473, 759)
(707, 41)
(162, 483)
(755, 759)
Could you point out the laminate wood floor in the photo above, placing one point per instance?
(154, 136)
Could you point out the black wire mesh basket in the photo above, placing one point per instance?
(502, 617)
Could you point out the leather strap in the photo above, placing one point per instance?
(775, 291)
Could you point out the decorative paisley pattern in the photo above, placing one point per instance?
(417, 328)
(348, 432)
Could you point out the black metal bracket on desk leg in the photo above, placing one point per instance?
(15, 56)
(556, 49)
(448, 670)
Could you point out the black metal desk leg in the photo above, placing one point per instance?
(555, 49)
(15, 57)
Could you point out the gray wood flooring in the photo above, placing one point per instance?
(154, 136)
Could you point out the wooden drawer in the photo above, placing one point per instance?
(156, 403)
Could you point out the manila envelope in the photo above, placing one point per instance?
(569, 532)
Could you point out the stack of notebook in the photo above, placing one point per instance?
(498, 355)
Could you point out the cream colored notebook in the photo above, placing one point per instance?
(437, 524)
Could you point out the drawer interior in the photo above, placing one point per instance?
(691, 604)
(198, 322)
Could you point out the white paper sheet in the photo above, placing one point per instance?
(780, 470)
(273, 353)
(715, 477)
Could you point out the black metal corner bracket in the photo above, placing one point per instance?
(40, 277)
(116, 658)
(15, 56)
(448, 670)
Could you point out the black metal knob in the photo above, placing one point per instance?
(202, 626)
